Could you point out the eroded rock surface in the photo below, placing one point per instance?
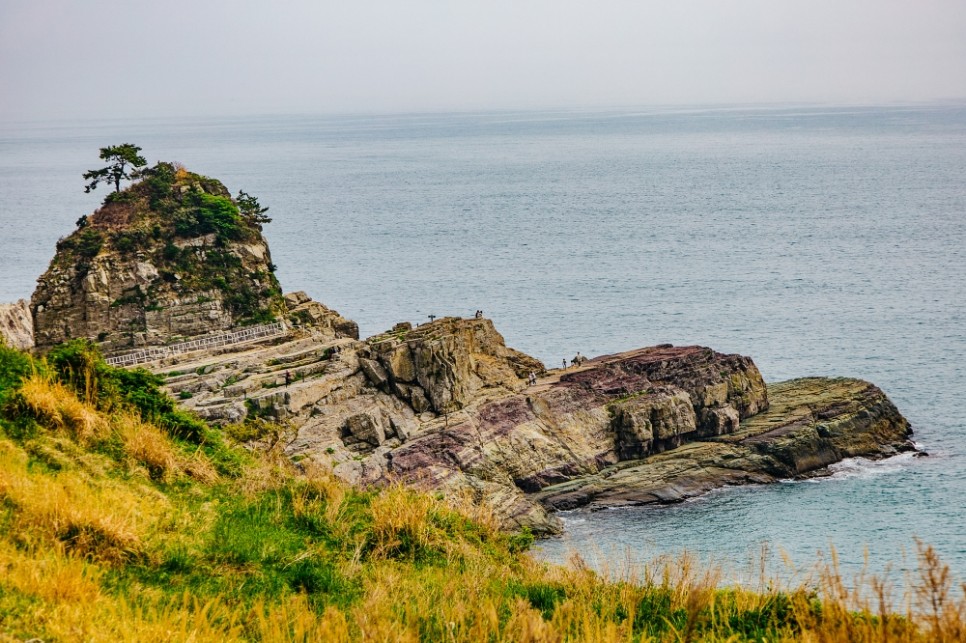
(441, 366)
(16, 325)
(810, 424)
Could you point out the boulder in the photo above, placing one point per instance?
(16, 325)
(304, 312)
(369, 427)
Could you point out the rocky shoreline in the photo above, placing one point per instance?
(445, 405)
(810, 424)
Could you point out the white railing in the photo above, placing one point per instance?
(153, 353)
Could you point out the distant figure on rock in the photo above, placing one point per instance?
(578, 359)
(532, 379)
(479, 314)
(288, 378)
(564, 365)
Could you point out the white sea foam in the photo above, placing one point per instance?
(866, 468)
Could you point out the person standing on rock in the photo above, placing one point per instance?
(288, 378)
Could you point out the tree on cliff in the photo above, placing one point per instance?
(125, 163)
(251, 208)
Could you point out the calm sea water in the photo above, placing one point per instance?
(820, 241)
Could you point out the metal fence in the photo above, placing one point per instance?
(153, 353)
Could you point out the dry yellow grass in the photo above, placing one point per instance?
(402, 518)
(96, 518)
(50, 575)
(56, 405)
(148, 445)
(199, 467)
(295, 621)
(419, 567)
(268, 471)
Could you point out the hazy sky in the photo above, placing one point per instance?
(113, 58)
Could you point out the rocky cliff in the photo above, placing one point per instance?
(16, 325)
(441, 366)
(170, 257)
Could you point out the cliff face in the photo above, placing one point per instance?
(573, 424)
(168, 258)
(16, 325)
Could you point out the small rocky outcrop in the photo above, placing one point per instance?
(810, 424)
(16, 325)
(441, 366)
(169, 258)
(303, 312)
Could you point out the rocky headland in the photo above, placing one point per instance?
(445, 405)
(169, 258)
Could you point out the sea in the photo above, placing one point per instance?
(819, 240)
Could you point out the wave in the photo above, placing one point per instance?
(866, 468)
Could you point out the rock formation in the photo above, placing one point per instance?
(169, 258)
(810, 424)
(445, 405)
(16, 325)
(441, 366)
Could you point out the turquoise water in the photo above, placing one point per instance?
(817, 240)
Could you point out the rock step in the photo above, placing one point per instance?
(276, 368)
(212, 401)
(213, 357)
(295, 372)
(177, 379)
(312, 353)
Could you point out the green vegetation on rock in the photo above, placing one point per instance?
(161, 249)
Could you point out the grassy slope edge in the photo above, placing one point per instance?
(122, 518)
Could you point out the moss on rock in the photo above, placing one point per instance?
(170, 257)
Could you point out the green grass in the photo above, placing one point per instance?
(174, 534)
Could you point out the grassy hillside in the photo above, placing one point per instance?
(122, 518)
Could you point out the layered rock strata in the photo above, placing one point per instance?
(810, 424)
(447, 406)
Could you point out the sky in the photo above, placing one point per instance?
(111, 59)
